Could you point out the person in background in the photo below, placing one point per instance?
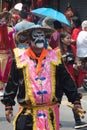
(76, 24)
(81, 42)
(68, 52)
(5, 51)
(49, 23)
(69, 13)
(14, 12)
(27, 4)
(36, 76)
(8, 4)
(24, 23)
(55, 38)
(5, 5)
(82, 48)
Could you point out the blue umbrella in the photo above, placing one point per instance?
(52, 13)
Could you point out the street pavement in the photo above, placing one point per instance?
(66, 115)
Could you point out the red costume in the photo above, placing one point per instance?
(6, 45)
(77, 75)
(75, 33)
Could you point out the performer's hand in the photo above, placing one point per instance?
(77, 106)
(79, 110)
(9, 114)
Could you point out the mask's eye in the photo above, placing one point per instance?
(35, 35)
(42, 35)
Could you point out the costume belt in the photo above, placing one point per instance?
(41, 106)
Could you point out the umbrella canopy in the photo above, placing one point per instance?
(52, 13)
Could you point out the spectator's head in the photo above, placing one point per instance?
(26, 5)
(76, 21)
(57, 25)
(27, 2)
(23, 14)
(48, 22)
(69, 12)
(84, 25)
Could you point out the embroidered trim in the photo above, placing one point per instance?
(29, 94)
(49, 119)
(53, 69)
(15, 119)
(34, 119)
(17, 57)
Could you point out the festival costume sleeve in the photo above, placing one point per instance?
(66, 85)
(11, 88)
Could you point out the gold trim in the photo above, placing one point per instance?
(34, 119)
(15, 119)
(53, 69)
(1, 84)
(54, 122)
(49, 120)
(29, 94)
(16, 53)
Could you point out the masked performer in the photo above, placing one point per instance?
(36, 77)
